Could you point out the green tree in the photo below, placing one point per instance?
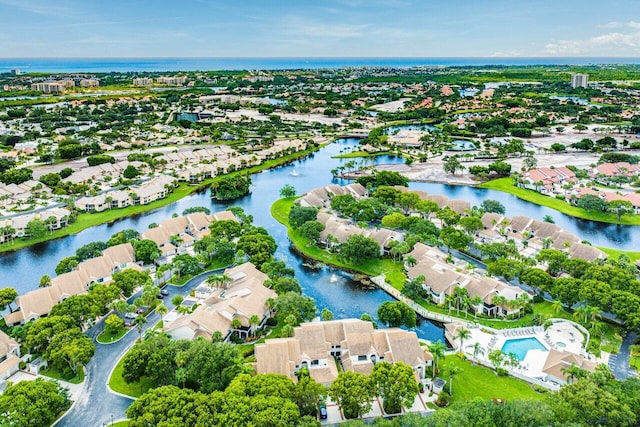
(357, 248)
(70, 348)
(326, 314)
(452, 164)
(36, 228)
(33, 403)
(448, 216)
(590, 202)
(113, 324)
(395, 384)
(129, 279)
(292, 303)
(494, 206)
(353, 392)
(307, 393)
(80, 308)
(620, 207)
(288, 191)
(471, 224)
(298, 215)
(396, 314)
(66, 265)
(130, 172)
(311, 230)
(45, 281)
(211, 366)
(454, 238)
(146, 251)
(7, 296)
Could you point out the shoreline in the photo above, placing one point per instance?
(87, 220)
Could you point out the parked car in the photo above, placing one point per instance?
(130, 315)
(164, 292)
(160, 296)
(323, 412)
(141, 310)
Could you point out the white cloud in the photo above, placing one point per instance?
(609, 44)
(615, 24)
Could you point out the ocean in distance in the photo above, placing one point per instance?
(106, 65)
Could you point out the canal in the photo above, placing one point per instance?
(329, 287)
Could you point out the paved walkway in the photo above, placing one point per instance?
(97, 405)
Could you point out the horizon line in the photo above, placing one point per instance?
(318, 57)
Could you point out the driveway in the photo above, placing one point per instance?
(619, 363)
(97, 405)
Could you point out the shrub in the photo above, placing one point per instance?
(502, 372)
(443, 399)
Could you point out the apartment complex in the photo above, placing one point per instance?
(579, 80)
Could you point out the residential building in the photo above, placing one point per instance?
(559, 361)
(579, 80)
(354, 343)
(89, 83)
(142, 81)
(171, 80)
(244, 296)
(39, 302)
(9, 357)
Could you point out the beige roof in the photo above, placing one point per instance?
(519, 223)
(403, 346)
(459, 206)
(587, 252)
(559, 360)
(278, 356)
(7, 344)
(491, 219)
(225, 216)
(120, 254)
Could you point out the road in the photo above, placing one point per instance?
(619, 363)
(98, 405)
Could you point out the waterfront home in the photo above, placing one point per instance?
(354, 343)
(176, 235)
(547, 180)
(54, 218)
(441, 278)
(338, 230)
(17, 195)
(9, 357)
(321, 197)
(39, 302)
(242, 297)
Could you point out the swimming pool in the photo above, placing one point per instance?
(521, 346)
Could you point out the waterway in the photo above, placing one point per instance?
(330, 288)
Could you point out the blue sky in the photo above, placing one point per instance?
(320, 28)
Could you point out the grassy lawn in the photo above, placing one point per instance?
(480, 382)
(506, 185)
(117, 383)
(106, 338)
(54, 372)
(87, 220)
(123, 423)
(359, 154)
(372, 267)
(615, 253)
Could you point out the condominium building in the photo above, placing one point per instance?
(142, 81)
(171, 80)
(89, 83)
(579, 80)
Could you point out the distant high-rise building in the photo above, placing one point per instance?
(15, 72)
(579, 80)
(89, 83)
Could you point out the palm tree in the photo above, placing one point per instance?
(573, 372)
(162, 310)
(437, 349)
(462, 335)
(254, 321)
(139, 322)
(236, 324)
(477, 349)
(452, 371)
(183, 309)
(498, 300)
(473, 303)
(556, 306)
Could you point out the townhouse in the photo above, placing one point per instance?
(242, 297)
(354, 343)
(38, 303)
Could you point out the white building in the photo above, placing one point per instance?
(579, 80)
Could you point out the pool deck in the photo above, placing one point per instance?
(561, 336)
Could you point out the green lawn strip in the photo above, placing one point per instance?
(372, 267)
(123, 423)
(480, 382)
(107, 338)
(87, 220)
(615, 253)
(118, 384)
(506, 185)
(54, 372)
(360, 154)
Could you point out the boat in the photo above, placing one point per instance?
(294, 173)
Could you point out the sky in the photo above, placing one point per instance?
(319, 28)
